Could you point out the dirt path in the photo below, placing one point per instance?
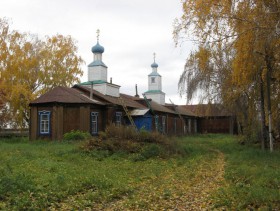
(193, 193)
(179, 188)
(197, 197)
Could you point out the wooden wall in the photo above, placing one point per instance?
(215, 125)
(64, 118)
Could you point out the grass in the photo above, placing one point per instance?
(58, 175)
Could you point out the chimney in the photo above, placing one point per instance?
(136, 91)
(111, 80)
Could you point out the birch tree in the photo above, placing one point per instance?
(247, 33)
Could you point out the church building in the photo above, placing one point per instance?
(92, 105)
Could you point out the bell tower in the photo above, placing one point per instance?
(97, 73)
(97, 70)
(154, 85)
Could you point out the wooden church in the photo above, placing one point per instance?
(92, 105)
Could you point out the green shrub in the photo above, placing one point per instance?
(126, 139)
(75, 135)
(150, 151)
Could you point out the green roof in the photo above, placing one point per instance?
(154, 92)
(93, 82)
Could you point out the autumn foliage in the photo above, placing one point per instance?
(30, 66)
(237, 59)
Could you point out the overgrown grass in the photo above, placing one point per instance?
(252, 176)
(57, 175)
(76, 135)
(126, 139)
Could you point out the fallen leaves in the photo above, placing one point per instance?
(181, 187)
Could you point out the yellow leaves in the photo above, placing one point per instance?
(60, 61)
(203, 56)
(29, 66)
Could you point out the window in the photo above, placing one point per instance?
(163, 123)
(118, 118)
(94, 123)
(153, 80)
(44, 122)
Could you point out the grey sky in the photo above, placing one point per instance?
(131, 31)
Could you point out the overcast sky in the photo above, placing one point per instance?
(130, 31)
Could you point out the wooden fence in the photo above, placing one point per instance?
(8, 133)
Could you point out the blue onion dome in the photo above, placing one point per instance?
(97, 48)
(154, 65)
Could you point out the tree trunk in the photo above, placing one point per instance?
(268, 78)
(262, 111)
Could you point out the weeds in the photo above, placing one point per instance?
(76, 135)
(126, 139)
(57, 176)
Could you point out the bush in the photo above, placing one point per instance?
(102, 135)
(127, 139)
(121, 132)
(150, 151)
(75, 135)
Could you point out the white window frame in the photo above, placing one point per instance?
(118, 118)
(94, 123)
(44, 124)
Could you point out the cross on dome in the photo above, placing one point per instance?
(97, 34)
(154, 65)
(97, 48)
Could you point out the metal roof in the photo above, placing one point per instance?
(93, 82)
(207, 110)
(154, 65)
(65, 95)
(109, 99)
(154, 92)
(139, 112)
(97, 48)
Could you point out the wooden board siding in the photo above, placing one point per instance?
(58, 124)
(85, 118)
(180, 126)
(109, 116)
(214, 125)
(170, 125)
(71, 117)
